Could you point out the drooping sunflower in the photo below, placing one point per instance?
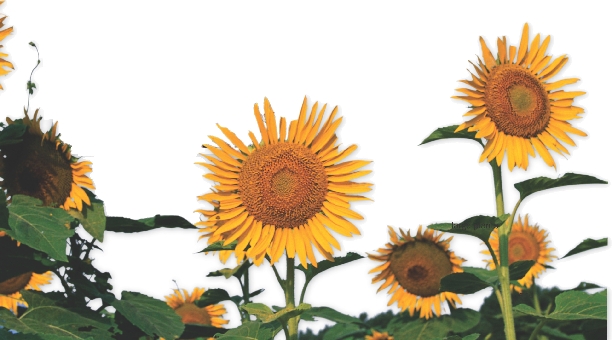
(413, 267)
(5, 65)
(10, 296)
(526, 242)
(42, 166)
(183, 305)
(378, 336)
(517, 109)
(285, 191)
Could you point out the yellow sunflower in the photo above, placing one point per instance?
(378, 336)
(413, 267)
(526, 242)
(42, 166)
(284, 192)
(5, 65)
(183, 305)
(9, 289)
(515, 107)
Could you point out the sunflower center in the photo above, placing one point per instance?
(37, 170)
(516, 101)
(190, 313)
(522, 247)
(15, 284)
(283, 185)
(419, 266)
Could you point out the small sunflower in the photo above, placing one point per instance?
(515, 107)
(378, 336)
(413, 267)
(5, 65)
(285, 191)
(526, 242)
(183, 305)
(42, 166)
(9, 289)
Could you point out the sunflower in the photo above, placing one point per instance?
(9, 289)
(5, 65)
(285, 191)
(378, 336)
(413, 267)
(526, 242)
(42, 166)
(515, 107)
(183, 305)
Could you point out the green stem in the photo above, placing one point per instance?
(534, 334)
(292, 324)
(536, 302)
(304, 291)
(503, 271)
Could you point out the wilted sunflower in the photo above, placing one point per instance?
(183, 305)
(413, 267)
(378, 336)
(515, 106)
(5, 65)
(526, 242)
(9, 289)
(42, 166)
(285, 191)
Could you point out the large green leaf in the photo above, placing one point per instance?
(266, 315)
(128, 225)
(573, 305)
(422, 330)
(518, 269)
(449, 132)
(46, 318)
(152, 316)
(534, 185)
(12, 134)
(469, 282)
(324, 265)
(329, 314)
(212, 296)
(587, 244)
(250, 331)
(343, 331)
(92, 217)
(42, 228)
(478, 226)
(17, 260)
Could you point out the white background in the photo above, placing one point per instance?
(137, 87)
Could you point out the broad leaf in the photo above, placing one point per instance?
(127, 225)
(152, 316)
(518, 269)
(343, 331)
(461, 320)
(211, 297)
(468, 282)
(42, 228)
(266, 315)
(92, 217)
(329, 314)
(587, 244)
(250, 331)
(573, 305)
(534, 185)
(324, 265)
(449, 132)
(478, 226)
(218, 246)
(422, 330)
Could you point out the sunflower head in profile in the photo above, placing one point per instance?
(378, 336)
(525, 242)
(183, 304)
(42, 166)
(413, 267)
(288, 192)
(517, 108)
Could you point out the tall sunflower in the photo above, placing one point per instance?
(10, 296)
(5, 65)
(42, 166)
(413, 267)
(526, 242)
(284, 192)
(183, 304)
(515, 107)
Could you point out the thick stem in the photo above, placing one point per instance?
(499, 191)
(292, 324)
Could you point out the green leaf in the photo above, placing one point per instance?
(573, 305)
(12, 134)
(193, 331)
(343, 331)
(585, 285)
(461, 319)
(92, 217)
(250, 330)
(422, 330)
(324, 265)
(469, 282)
(17, 260)
(266, 315)
(42, 228)
(229, 272)
(587, 244)
(128, 225)
(518, 269)
(534, 185)
(211, 297)
(329, 314)
(478, 226)
(218, 246)
(449, 132)
(152, 316)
